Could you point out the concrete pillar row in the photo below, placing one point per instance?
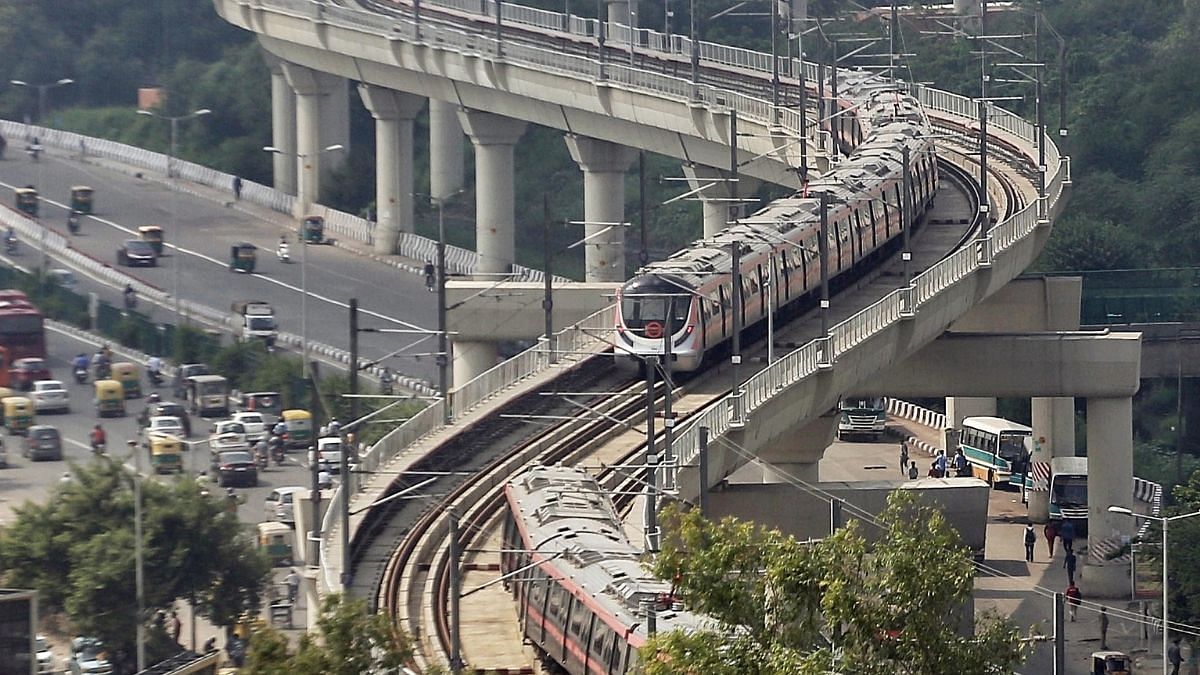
(719, 210)
(283, 130)
(471, 359)
(445, 149)
(1110, 483)
(311, 87)
(495, 219)
(604, 165)
(1054, 434)
(394, 112)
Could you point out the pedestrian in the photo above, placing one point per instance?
(1074, 598)
(1030, 540)
(1069, 563)
(962, 467)
(237, 187)
(1174, 656)
(293, 583)
(933, 471)
(174, 626)
(1067, 534)
(430, 279)
(210, 645)
(1051, 532)
(913, 471)
(904, 456)
(1103, 628)
(940, 463)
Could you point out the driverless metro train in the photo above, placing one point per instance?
(578, 581)
(690, 293)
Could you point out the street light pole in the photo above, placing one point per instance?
(42, 90)
(139, 580)
(443, 356)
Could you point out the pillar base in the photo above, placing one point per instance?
(1109, 581)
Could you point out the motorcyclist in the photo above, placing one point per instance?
(281, 250)
(275, 448)
(260, 451)
(98, 438)
(101, 362)
(10, 238)
(154, 369)
(73, 221)
(153, 398)
(334, 428)
(280, 429)
(80, 362)
(386, 382)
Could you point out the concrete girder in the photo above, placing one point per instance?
(394, 112)
(675, 128)
(512, 310)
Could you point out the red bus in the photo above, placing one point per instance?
(22, 332)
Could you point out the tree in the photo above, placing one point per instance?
(352, 641)
(77, 550)
(845, 604)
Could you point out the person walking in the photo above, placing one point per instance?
(1103, 628)
(1174, 656)
(1069, 562)
(174, 626)
(940, 464)
(962, 468)
(1074, 598)
(293, 584)
(1067, 534)
(1030, 540)
(903, 456)
(1051, 532)
(237, 187)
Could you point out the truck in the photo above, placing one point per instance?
(1069, 491)
(254, 319)
(862, 416)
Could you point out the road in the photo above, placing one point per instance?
(205, 230)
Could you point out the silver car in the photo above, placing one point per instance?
(50, 396)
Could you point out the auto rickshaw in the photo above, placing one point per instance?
(18, 414)
(153, 235)
(165, 453)
(27, 201)
(81, 199)
(242, 256)
(127, 374)
(5, 392)
(299, 428)
(312, 230)
(1111, 663)
(109, 398)
(275, 539)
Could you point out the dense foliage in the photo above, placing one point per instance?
(77, 550)
(850, 603)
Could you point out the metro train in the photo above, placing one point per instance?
(577, 579)
(690, 293)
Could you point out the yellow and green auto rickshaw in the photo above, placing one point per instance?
(5, 392)
(299, 428)
(81, 198)
(127, 374)
(165, 453)
(242, 257)
(153, 235)
(275, 539)
(18, 414)
(312, 230)
(27, 200)
(109, 398)
(1111, 663)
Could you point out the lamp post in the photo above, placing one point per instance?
(42, 90)
(175, 232)
(1163, 522)
(443, 355)
(139, 580)
(303, 263)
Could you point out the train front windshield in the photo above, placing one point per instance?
(643, 304)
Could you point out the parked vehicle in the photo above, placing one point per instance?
(42, 442)
(109, 398)
(135, 252)
(51, 396)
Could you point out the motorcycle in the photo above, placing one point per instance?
(277, 452)
(282, 253)
(81, 375)
(35, 151)
(73, 222)
(99, 448)
(10, 245)
(262, 460)
(155, 377)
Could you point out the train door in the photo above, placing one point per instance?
(763, 288)
(723, 302)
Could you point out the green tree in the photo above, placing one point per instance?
(844, 604)
(351, 641)
(77, 550)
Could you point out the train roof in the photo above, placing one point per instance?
(570, 520)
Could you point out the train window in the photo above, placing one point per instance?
(578, 613)
(555, 609)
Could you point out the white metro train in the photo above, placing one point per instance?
(690, 293)
(578, 581)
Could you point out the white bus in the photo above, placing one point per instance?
(998, 449)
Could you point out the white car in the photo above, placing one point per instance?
(256, 426)
(50, 395)
(328, 455)
(281, 503)
(228, 435)
(45, 657)
(162, 425)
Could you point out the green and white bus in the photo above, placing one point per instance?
(998, 449)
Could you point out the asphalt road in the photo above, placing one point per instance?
(205, 230)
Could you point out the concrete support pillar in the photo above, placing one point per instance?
(1110, 483)
(283, 131)
(493, 137)
(312, 597)
(445, 149)
(334, 121)
(394, 112)
(959, 408)
(604, 165)
(311, 88)
(1054, 436)
(719, 209)
(471, 359)
(797, 455)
